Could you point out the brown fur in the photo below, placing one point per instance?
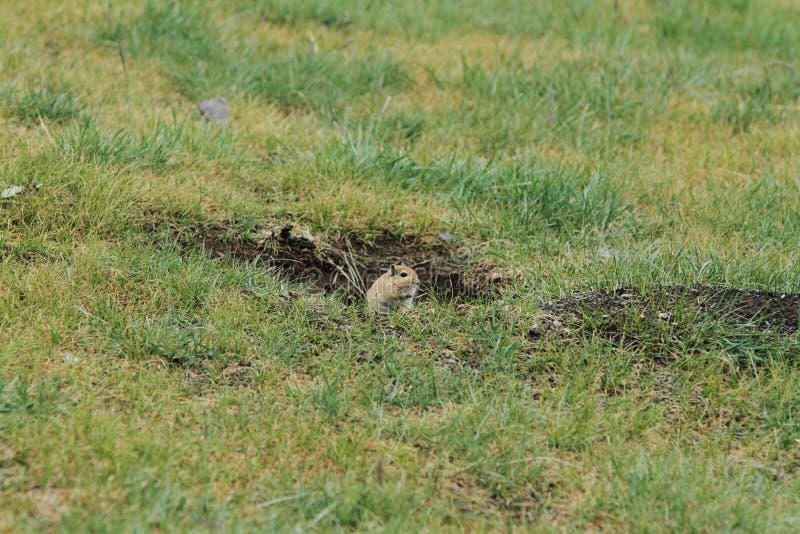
(395, 289)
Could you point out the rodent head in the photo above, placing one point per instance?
(404, 280)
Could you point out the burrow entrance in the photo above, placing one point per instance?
(350, 264)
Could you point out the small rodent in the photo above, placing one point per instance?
(394, 289)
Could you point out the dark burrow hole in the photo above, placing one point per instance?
(627, 315)
(347, 265)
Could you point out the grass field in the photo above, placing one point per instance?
(161, 370)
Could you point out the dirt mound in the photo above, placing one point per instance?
(605, 310)
(348, 264)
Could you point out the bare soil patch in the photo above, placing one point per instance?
(757, 309)
(348, 264)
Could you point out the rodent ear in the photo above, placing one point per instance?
(393, 269)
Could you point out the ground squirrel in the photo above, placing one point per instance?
(394, 289)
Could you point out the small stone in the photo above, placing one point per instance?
(449, 357)
(70, 358)
(607, 253)
(10, 192)
(665, 316)
(215, 110)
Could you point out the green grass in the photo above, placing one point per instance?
(42, 103)
(149, 384)
(199, 63)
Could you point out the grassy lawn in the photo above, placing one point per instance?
(182, 345)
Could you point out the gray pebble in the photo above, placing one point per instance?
(12, 191)
(215, 110)
(70, 358)
(607, 253)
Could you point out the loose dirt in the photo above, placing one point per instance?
(348, 264)
(763, 311)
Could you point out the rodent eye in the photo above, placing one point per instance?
(403, 274)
